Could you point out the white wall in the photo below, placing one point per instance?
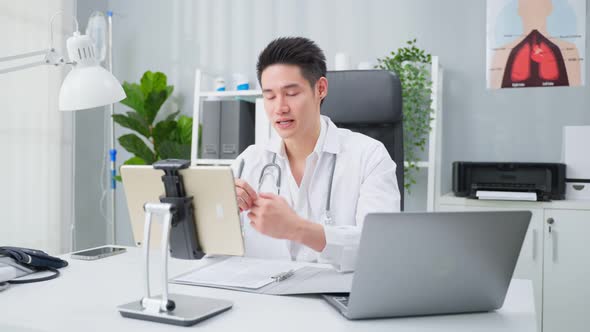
(35, 138)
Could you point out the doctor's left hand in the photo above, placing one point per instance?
(271, 215)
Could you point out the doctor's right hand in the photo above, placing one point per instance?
(245, 195)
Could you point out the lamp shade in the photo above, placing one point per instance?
(88, 85)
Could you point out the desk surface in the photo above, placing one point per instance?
(85, 297)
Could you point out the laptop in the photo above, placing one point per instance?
(412, 264)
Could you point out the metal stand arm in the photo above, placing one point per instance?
(184, 310)
(164, 211)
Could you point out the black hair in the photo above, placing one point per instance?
(298, 51)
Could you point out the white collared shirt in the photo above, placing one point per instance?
(364, 182)
(299, 194)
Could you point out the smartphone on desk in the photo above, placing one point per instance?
(97, 253)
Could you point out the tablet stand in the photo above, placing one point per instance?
(184, 243)
(176, 214)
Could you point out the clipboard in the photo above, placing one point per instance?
(298, 280)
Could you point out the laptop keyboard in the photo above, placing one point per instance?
(342, 300)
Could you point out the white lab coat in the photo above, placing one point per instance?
(364, 181)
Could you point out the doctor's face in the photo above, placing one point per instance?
(291, 104)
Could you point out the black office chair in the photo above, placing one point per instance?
(369, 102)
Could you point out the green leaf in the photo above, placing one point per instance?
(135, 98)
(153, 102)
(154, 90)
(169, 90)
(151, 82)
(185, 129)
(135, 160)
(138, 117)
(137, 146)
(162, 131)
(169, 149)
(132, 123)
(172, 116)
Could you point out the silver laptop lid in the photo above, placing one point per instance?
(435, 263)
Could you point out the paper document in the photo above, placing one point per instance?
(506, 195)
(238, 272)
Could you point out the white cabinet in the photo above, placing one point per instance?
(558, 262)
(566, 277)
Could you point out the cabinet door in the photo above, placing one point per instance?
(530, 261)
(566, 295)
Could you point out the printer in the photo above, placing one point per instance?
(509, 180)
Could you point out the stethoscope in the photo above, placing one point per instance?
(327, 217)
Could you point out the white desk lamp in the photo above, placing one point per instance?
(87, 85)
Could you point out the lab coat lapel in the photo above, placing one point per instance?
(332, 142)
(319, 186)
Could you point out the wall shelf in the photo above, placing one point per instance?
(232, 93)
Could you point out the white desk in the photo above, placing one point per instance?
(85, 297)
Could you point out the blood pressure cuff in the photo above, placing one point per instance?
(16, 262)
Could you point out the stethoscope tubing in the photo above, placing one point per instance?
(273, 164)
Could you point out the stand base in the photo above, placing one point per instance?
(189, 310)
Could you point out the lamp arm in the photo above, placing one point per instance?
(25, 66)
(51, 58)
(23, 55)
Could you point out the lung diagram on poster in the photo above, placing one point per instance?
(535, 43)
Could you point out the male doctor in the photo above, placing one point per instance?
(304, 195)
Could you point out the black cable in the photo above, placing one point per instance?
(28, 281)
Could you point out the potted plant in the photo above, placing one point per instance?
(153, 140)
(412, 66)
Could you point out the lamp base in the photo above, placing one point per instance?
(189, 310)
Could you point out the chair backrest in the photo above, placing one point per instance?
(369, 102)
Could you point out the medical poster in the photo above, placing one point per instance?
(535, 43)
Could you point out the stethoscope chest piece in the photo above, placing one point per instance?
(328, 221)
